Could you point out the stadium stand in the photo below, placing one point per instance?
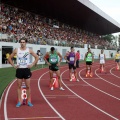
(17, 23)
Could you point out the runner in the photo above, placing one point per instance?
(71, 60)
(77, 58)
(102, 59)
(117, 59)
(47, 57)
(67, 54)
(54, 66)
(23, 68)
(89, 59)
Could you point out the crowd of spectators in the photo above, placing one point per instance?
(17, 23)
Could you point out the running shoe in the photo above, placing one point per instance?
(52, 88)
(86, 75)
(30, 104)
(77, 80)
(18, 104)
(91, 75)
(61, 88)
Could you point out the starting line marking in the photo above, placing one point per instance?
(104, 74)
(32, 118)
(60, 95)
(91, 78)
(50, 97)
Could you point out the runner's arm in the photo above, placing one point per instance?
(105, 56)
(47, 54)
(99, 56)
(65, 57)
(92, 58)
(60, 56)
(85, 56)
(35, 56)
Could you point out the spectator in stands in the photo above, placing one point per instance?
(40, 30)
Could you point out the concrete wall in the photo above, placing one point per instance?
(61, 49)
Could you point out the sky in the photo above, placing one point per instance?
(110, 7)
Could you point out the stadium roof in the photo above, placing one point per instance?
(80, 13)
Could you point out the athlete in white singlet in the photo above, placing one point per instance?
(102, 60)
(23, 68)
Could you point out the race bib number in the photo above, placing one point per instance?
(22, 61)
(89, 57)
(101, 58)
(72, 58)
(53, 59)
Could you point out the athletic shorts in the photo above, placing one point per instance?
(117, 60)
(72, 66)
(23, 73)
(88, 63)
(54, 67)
(102, 61)
(47, 59)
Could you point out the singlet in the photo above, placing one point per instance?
(23, 58)
(89, 57)
(117, 56)
(53, 58)
(102, 56)
(71, 58)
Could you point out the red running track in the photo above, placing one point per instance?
(96, 98)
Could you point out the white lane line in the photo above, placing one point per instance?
(104, 74)
(88, 101)
(112, 73)
(50, 97)
(73, 97)
(60, 95)
(33, 118)
(46, 99)
(6, 96)
(2, 96)
(97, 88)
(5, 101)
(106, 80)
(91, 78)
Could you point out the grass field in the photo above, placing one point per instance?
(8, 74)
